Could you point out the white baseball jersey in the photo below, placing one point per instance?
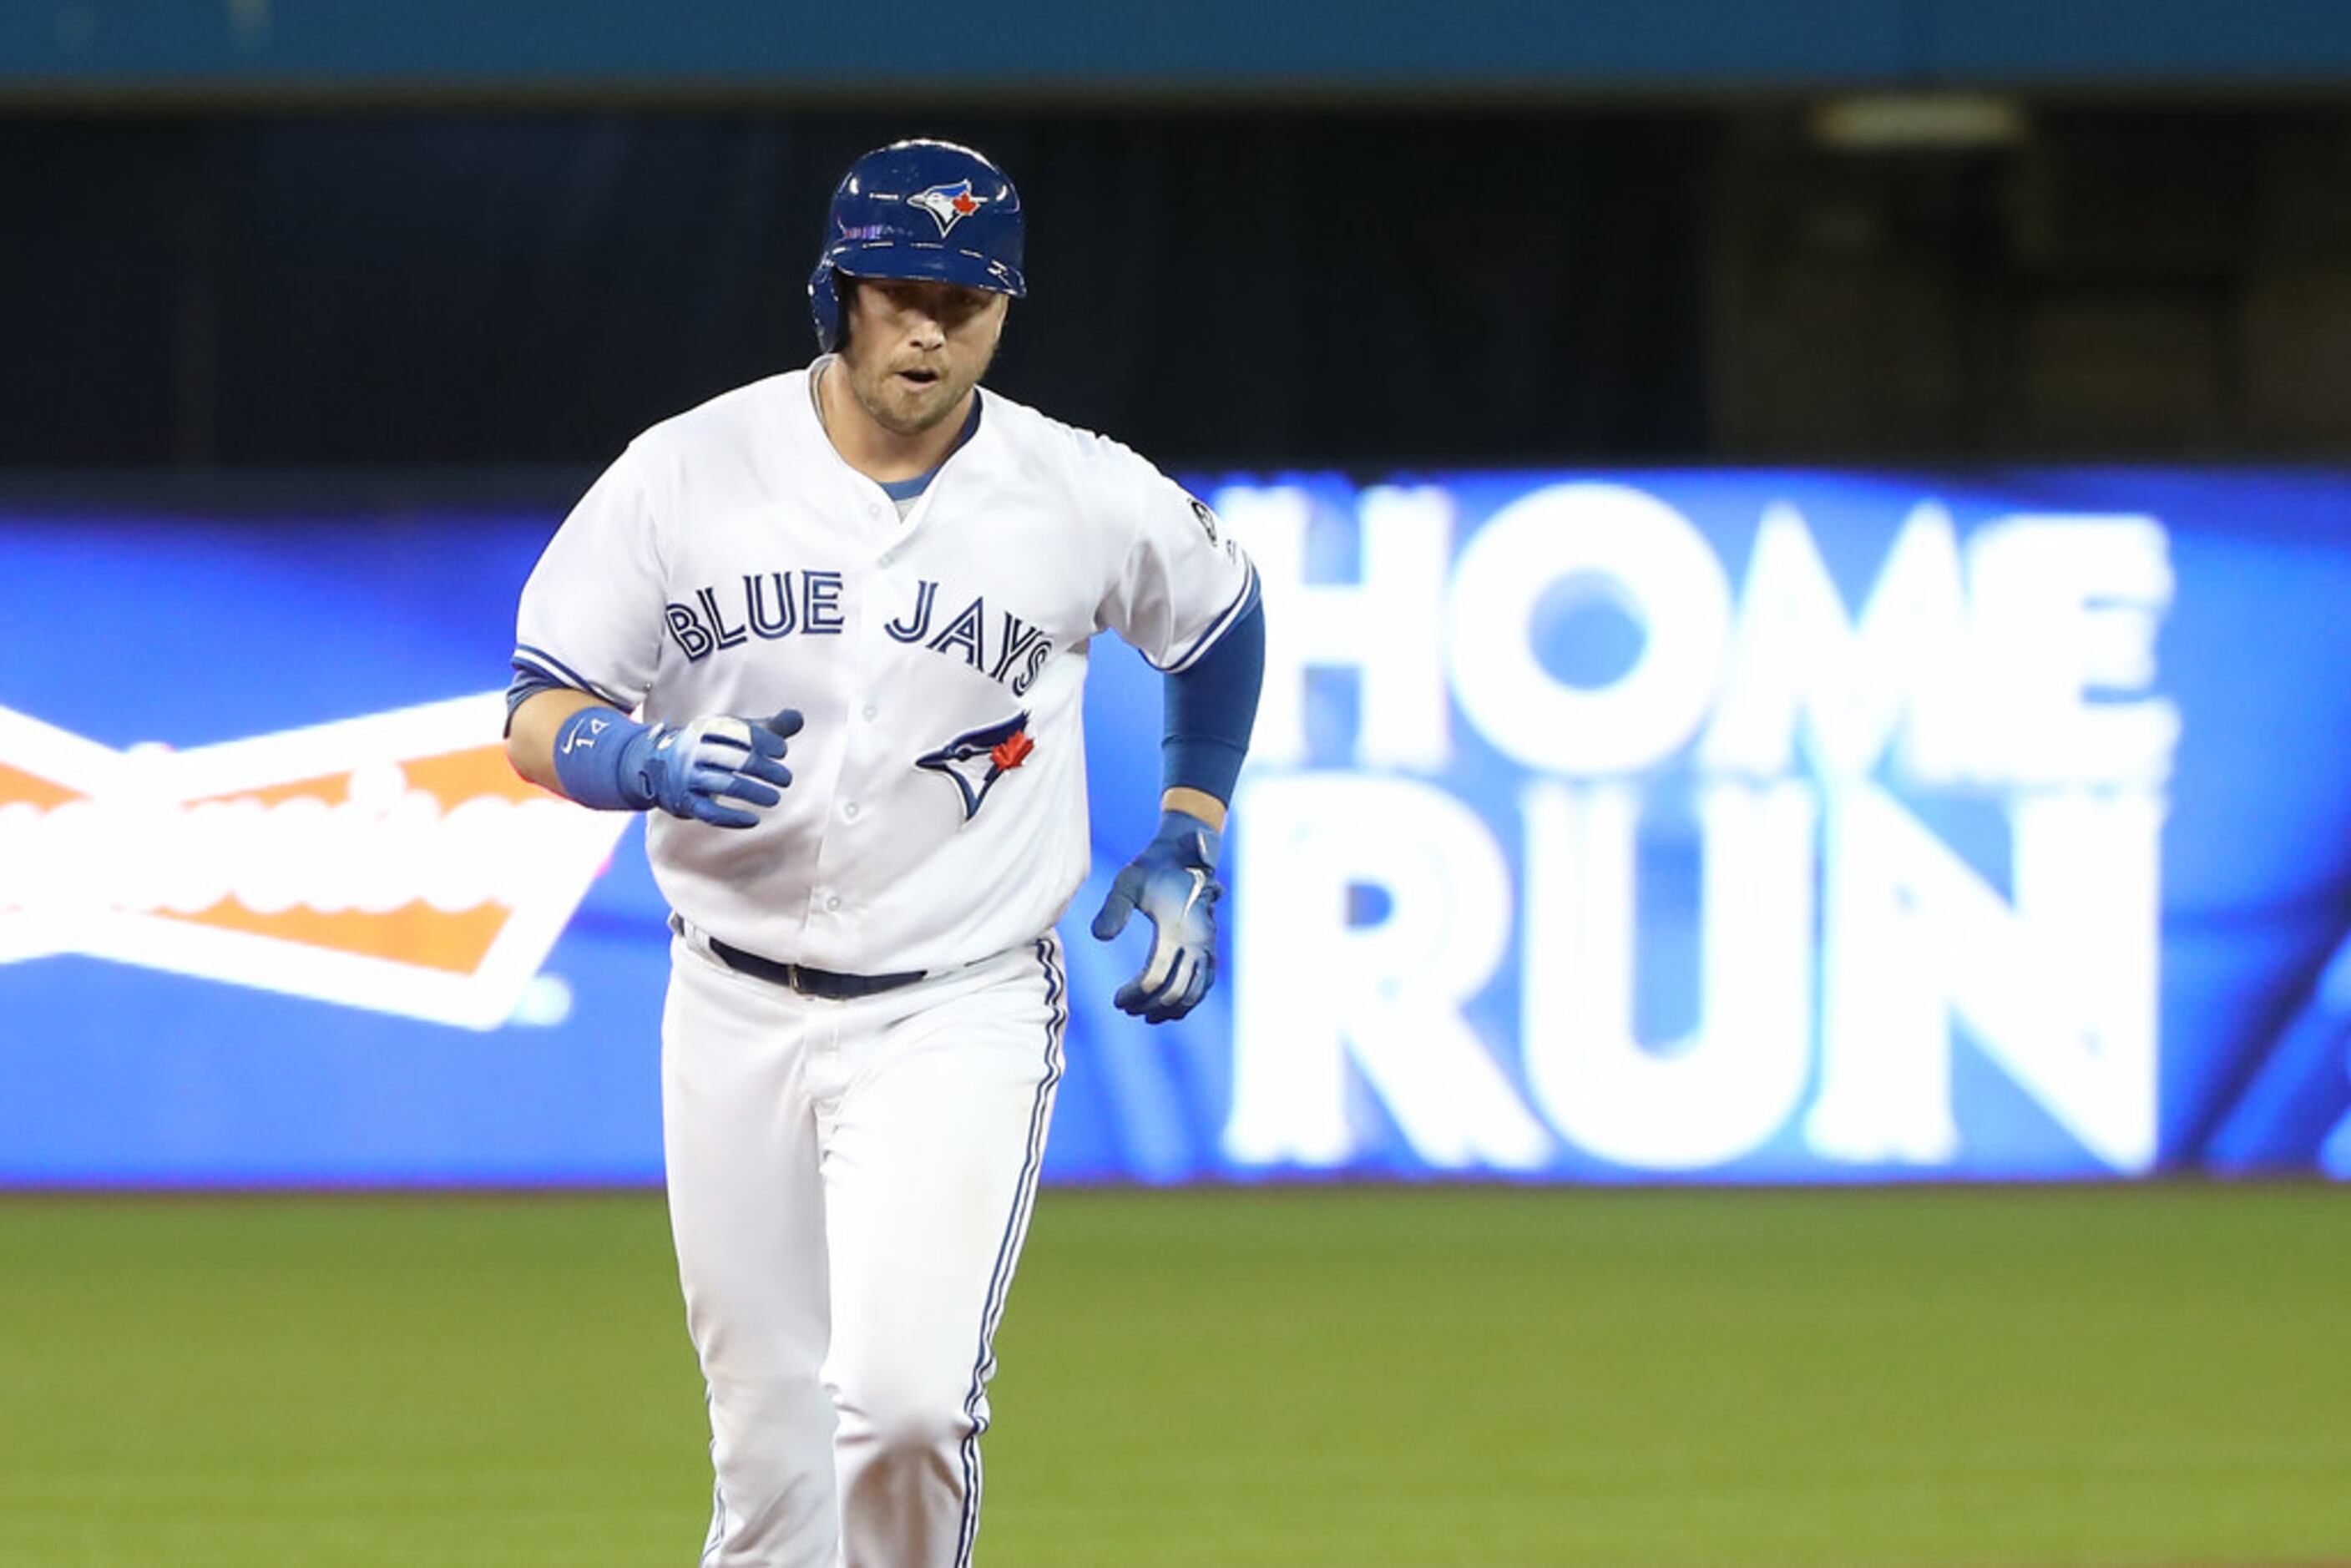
(730, 561)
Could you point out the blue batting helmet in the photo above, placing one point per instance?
(919, 209)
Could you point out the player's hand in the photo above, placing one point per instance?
(697, 769)
(1174, 882)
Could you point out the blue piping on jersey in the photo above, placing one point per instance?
(1241, 604)
(547, 663)
(528, 683)
(1016, 1225)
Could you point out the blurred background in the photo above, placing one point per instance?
(1805, 545)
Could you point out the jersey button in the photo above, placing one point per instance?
(872, 712)
(850, 810)
(833, 902)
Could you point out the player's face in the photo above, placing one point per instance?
(917, 348)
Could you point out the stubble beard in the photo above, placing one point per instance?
(902, 414)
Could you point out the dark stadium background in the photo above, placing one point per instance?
(1261, 284)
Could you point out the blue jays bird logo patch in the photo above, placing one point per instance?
(947, 205)
(973, 761)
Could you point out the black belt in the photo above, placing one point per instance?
(810, 982)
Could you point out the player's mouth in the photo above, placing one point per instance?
(919, 380)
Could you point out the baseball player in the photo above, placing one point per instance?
(831, 629)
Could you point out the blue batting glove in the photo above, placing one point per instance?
(1173, 882)
(693, 769)
(605, 759)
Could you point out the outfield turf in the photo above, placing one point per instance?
(1995, 1377)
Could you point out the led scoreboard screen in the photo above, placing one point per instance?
(1687, 825)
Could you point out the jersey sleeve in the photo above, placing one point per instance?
(1183, 581)
(590, 615)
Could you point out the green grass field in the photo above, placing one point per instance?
(2006, 1378)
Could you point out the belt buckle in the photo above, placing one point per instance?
(832, 989)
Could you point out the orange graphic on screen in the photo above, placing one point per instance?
(393, 862)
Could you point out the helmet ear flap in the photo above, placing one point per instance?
(824, 305)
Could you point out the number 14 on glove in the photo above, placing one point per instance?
(1174, 882)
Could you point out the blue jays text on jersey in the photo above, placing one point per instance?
(771, 605)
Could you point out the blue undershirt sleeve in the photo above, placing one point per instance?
(528, 683)
(1209, 709)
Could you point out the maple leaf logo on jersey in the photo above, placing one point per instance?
(1013, 752)
(947, 205)
(973, 761)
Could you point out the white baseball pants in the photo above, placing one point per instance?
(849, 1185)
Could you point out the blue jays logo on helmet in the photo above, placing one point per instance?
(919, 210)
(973, 761)
(950, 204)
